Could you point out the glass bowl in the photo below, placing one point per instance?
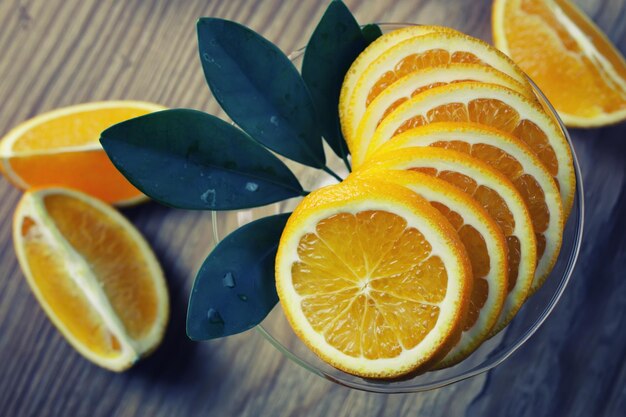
(493, 352)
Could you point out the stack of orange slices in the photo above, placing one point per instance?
(452, 218)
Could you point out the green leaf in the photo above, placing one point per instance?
(371, 32)
(260, 89)
(334, 45)
(188, 159)
(235, 288)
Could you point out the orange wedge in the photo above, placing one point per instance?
(495, 193)
(494, 106)
(93, 274)
(485, 246)
(517, 162)
(430, 50)
(372, 278)
(567, 55)
(416, 83)
(62, 148)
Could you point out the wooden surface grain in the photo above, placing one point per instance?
(61, 52)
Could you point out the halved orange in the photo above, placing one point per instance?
(416, 83)
(433, 49)
(517, 162)
(62, 148)
(494, 106)
(495, 193)
(567, 55)
(372, 278)
(93, 274)
(485, 245)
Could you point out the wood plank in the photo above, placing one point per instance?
(57, 53)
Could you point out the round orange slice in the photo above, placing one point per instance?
(517, 162)
(430, 50)
(485, 246)
(494, 106)
(495, 193)
(415, 83)
(62, 148)
(369, 55)
(567, 55)
(372, 278)
(93, 274)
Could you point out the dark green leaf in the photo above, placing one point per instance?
(334, 45)
(189, 159)
(235, 288)
(260, 89)
(371, 32)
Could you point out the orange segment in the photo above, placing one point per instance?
(567, 55)
(517, 162)
(61, 148)
(383, 304)
(93, 274)
(494, 106)
(494, 193)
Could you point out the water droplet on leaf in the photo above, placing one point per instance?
(252, 186)
(214, 316)
(229, 280)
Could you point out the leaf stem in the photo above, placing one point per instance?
(346, 162)
(332, 173)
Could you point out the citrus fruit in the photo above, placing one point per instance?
(485, 246)
(372, 278)
(567, 55)
(93, 274)
(369, 55)
(495, 193)
(415, 83)
(517, 162)
(432, 49)
(494, 106)
(62, 148)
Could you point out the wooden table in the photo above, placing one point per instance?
(62, 52)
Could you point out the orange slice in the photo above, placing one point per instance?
(369, 55)
(62, 148)
(418, 82)
(485, 246)
(372, 278)
(430, 50)
(567, 55)
(495, 193)
(93, 274)
(494, 106)
(517, 162)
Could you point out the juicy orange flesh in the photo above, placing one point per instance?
(88, 171)
(493, 113)
(51, 277)
(414, 62)
(529, 188)
(369, 283)
(494, 204)
(415, 92)
(479, 257)
(73, 129)
(575, 82)
(113, 257)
